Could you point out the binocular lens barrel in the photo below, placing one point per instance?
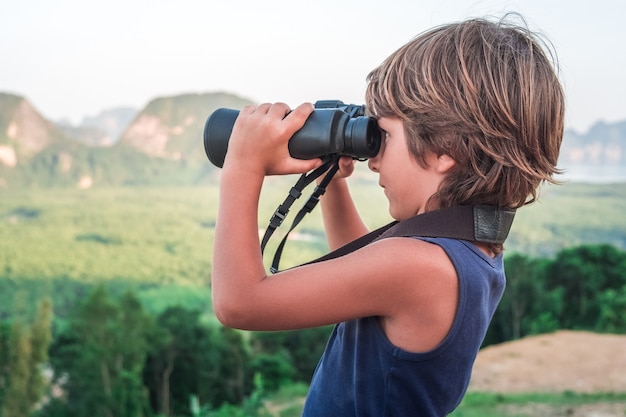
(217, 132)
(327, 131)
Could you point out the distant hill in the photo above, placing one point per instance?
(603, 144)
(172, 127)
(162, 144)
(23, 131)
(103, 129)
(33, 150)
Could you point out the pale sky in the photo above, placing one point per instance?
(74, 58)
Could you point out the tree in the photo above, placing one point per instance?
(103, 353)
(613, 311)
(276, 370)
(21, 366)
(584, 273)
(581, 288)
(194, 359)
(16, 400)
(41, 337)
(5, 333)
(523, 280)
(299, 349)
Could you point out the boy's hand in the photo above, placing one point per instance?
(346, 167)
(258, 143)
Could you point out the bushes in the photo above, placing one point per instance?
(134, 363)
(582, 288)
(114, 358)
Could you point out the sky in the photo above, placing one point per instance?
(75, 58)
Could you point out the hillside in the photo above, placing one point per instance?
(23, 131)
(35, 151)
(603, 144)
(102, 129)
(574, 361)
(161, 145)
(172, 127)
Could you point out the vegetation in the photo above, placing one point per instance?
(476, 404)
(569, 215)
(53, 157)
(126, 272)
(581, 288)
(24, 353)
(186, 115)
(113, 358)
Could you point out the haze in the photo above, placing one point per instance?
(72, 58)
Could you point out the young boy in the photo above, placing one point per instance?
(471, 113)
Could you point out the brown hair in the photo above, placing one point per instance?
(486, 94)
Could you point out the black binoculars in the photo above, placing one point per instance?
(333, 128)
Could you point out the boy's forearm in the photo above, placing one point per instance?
(341, 218)
(237, 260)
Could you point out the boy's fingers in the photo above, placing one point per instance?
(301, 112)
(278, 109)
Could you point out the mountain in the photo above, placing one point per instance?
(23, 131)
(172, 127)
(161, 145)
(33, 150)
(604, 144)
(103, 129)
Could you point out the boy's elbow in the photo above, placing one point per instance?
(229, 317)
(232, 313)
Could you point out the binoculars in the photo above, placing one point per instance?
(333, 128)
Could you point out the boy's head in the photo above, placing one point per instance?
(486, 94)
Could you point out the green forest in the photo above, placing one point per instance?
(106, 310)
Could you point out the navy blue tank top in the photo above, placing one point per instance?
(361, 373)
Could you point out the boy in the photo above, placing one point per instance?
(471, 113)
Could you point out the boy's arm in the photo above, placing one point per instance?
(369, 282)
(342, 221)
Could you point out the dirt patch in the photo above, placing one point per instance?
(575, 361)
(584, 410)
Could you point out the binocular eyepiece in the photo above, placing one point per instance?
(333, 128)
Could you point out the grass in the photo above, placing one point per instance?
(477, 404)
(288, 402)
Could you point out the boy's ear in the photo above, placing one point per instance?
(444, 163)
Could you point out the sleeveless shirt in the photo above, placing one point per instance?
(361, 373)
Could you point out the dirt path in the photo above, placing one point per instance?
(582, 362)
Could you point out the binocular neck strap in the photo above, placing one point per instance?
(480, 223)
(330, 167)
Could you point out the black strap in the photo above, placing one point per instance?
(478, 223)
(486, 224)
(306, 208)
(296, 191)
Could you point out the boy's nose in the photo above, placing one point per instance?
(373, 163)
